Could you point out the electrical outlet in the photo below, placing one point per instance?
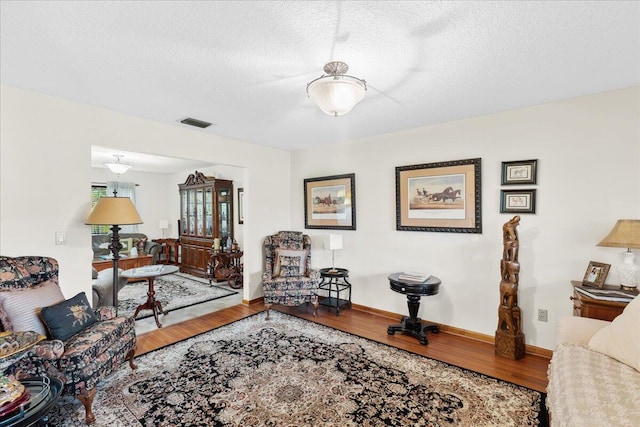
(543, 315)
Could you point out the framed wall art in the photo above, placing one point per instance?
(596, 274)
(518, 201)
(519, 172)
(240, 205)
(330, 202)
(442, 197)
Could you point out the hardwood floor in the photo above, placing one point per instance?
(531, 371)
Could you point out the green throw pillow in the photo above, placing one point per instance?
(69, 317)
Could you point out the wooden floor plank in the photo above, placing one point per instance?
(531, 371)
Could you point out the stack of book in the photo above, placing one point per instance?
(413, 276)
(607, 294)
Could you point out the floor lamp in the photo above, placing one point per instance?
(114, 211)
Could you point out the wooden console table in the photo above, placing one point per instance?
(170, 248)
(585, 306)
(123, 263)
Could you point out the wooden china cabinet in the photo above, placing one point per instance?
(206, 213)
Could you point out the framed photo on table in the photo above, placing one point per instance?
(330, 202)
(444, 197)
(596, 274)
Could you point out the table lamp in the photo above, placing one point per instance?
(333, 242)
(163, 224)
(114, 211)
(625, 234)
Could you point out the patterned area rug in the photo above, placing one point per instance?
(291, 372)
(174, 291)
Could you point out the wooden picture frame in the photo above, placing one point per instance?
(518, 201)
(240, 205)
(596, 274)
(440, 197)
(330, 202)
(127, 244)
(520, 172)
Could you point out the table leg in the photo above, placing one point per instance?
(151, 303)
(412, 325)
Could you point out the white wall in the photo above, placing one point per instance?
(45, 175)
(589, 176)
(588, 151)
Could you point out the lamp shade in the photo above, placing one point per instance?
(625, 234)
(336, 95)
(114, 211)
(333, 242)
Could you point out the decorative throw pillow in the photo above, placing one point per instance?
(19, 308)
(621, 339)
(140, 245)
(290, 263)
(17, 342)
(69, 317)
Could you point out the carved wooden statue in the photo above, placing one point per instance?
(509, 340)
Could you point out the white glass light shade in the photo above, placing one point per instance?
(336, 95)
(118, 168)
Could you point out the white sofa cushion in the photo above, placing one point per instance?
(621, 339)
(578, 330)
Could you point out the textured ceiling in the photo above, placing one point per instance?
(244, 65)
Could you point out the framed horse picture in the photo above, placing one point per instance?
(443, 197)
(330, 202)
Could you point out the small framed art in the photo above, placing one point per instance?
(518, 201)
(596, 274)
(519, 172)
(240, 205)
(330, 202)
(127, 244)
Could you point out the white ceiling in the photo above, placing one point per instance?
(244, 65)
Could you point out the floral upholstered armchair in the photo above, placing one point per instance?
(288, 278)
(83, 346)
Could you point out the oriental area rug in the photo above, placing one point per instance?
(174, 291)
(292, 372)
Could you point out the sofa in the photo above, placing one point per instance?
(82, 345)
(100, 244)
(102, 285)
(594, 374)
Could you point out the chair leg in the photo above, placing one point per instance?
(315, 309)
(130, 356)
(86, 397)
(268, 306)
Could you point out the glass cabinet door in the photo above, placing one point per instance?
(224, 213)
(192, 212)
(183, 214)
(208, 214)
(199, 213)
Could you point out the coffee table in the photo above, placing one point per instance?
(44, 392)
(149, 273)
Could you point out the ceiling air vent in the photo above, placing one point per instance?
(195, 122)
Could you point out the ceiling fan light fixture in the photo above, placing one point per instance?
(336, 93)
(117, 166)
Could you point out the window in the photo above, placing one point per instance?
(97, 191)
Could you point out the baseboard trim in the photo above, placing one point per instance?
(529, 349)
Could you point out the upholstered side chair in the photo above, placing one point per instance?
(288, 278)
(82, 345)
